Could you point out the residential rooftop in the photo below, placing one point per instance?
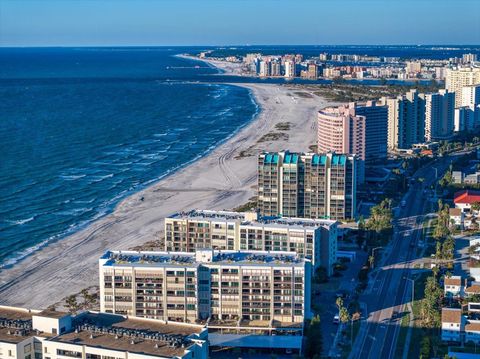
(136, 335)
(451, 315)
(453, 280)
(251, 219)
(182, 259)
(15, 324)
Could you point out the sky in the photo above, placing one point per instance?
(238, 22)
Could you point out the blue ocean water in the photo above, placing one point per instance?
(82, 128)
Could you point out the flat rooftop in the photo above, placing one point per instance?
(157, 259)
(257, 257)
(182, 259)
(291, 223)
(15, 325)
(277, 222)
(134, 335)
(197, 214)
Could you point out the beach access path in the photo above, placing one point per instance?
(220, 180)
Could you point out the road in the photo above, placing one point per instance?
(388, 292)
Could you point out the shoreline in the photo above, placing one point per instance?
(220, 179)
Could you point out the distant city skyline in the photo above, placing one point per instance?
(247, 22)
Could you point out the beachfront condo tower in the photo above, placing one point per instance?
(307, 185)
(406, 120)
(439, 115)
(458, 78)
(315, 239)
(355, 129)
(258, 289)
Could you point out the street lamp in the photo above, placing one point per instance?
(413, 289)
(373, 254)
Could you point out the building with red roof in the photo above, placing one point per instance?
(464, 199)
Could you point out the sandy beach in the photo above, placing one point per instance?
(221, 180)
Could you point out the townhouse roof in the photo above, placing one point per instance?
(451, 315)
(473, 326)
(455, 211)
(466, 196)
(453, 280)
(474, 288)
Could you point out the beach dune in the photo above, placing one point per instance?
(220, 180)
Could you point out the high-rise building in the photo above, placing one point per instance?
(469, 58)
(307, 185)
(466, 118)
(312, 72)
(276, 68)
(265, 68)
(315, 239)
(355, 129)
(413, 67)
(406, 120)
(458, 78)
(471, 95)
(290, 68)
(439, 115)
(261, 288)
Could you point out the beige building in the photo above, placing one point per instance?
(29, 334)
(439, 115)
(257, 289)
(315, 239)
(406, 120)
(458, 78)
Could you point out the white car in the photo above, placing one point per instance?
(336, 319)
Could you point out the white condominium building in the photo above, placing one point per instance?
(439, 115)
(315, 239)
(29, 334)
(247, 289)
(458, 78)
(406, 120)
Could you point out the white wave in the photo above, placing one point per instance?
(23, 254)
(100, 178)
(74, 211)
(71, 177)
(159, 134)
(20, 221)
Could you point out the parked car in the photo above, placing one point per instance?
(336, 319)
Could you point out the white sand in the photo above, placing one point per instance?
(217, 181)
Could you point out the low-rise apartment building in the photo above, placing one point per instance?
(269, 290)
(315, 239)
(453, 286)
(453, 324)
(29, 334)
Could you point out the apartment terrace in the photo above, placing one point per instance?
(131, 335)
(156, 259)
(209, 215)
(15, 325)
(256, 258)
(292, 223)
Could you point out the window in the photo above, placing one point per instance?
(27, 348)
(28, 356)
(10, 353)
(69, 353)
(93, 356)
(54, 330)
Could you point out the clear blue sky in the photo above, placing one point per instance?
(237, 22)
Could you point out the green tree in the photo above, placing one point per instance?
(72, 304)
(476, 206)
(344, 315)
(431, 304)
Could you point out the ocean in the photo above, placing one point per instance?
(80, 129)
